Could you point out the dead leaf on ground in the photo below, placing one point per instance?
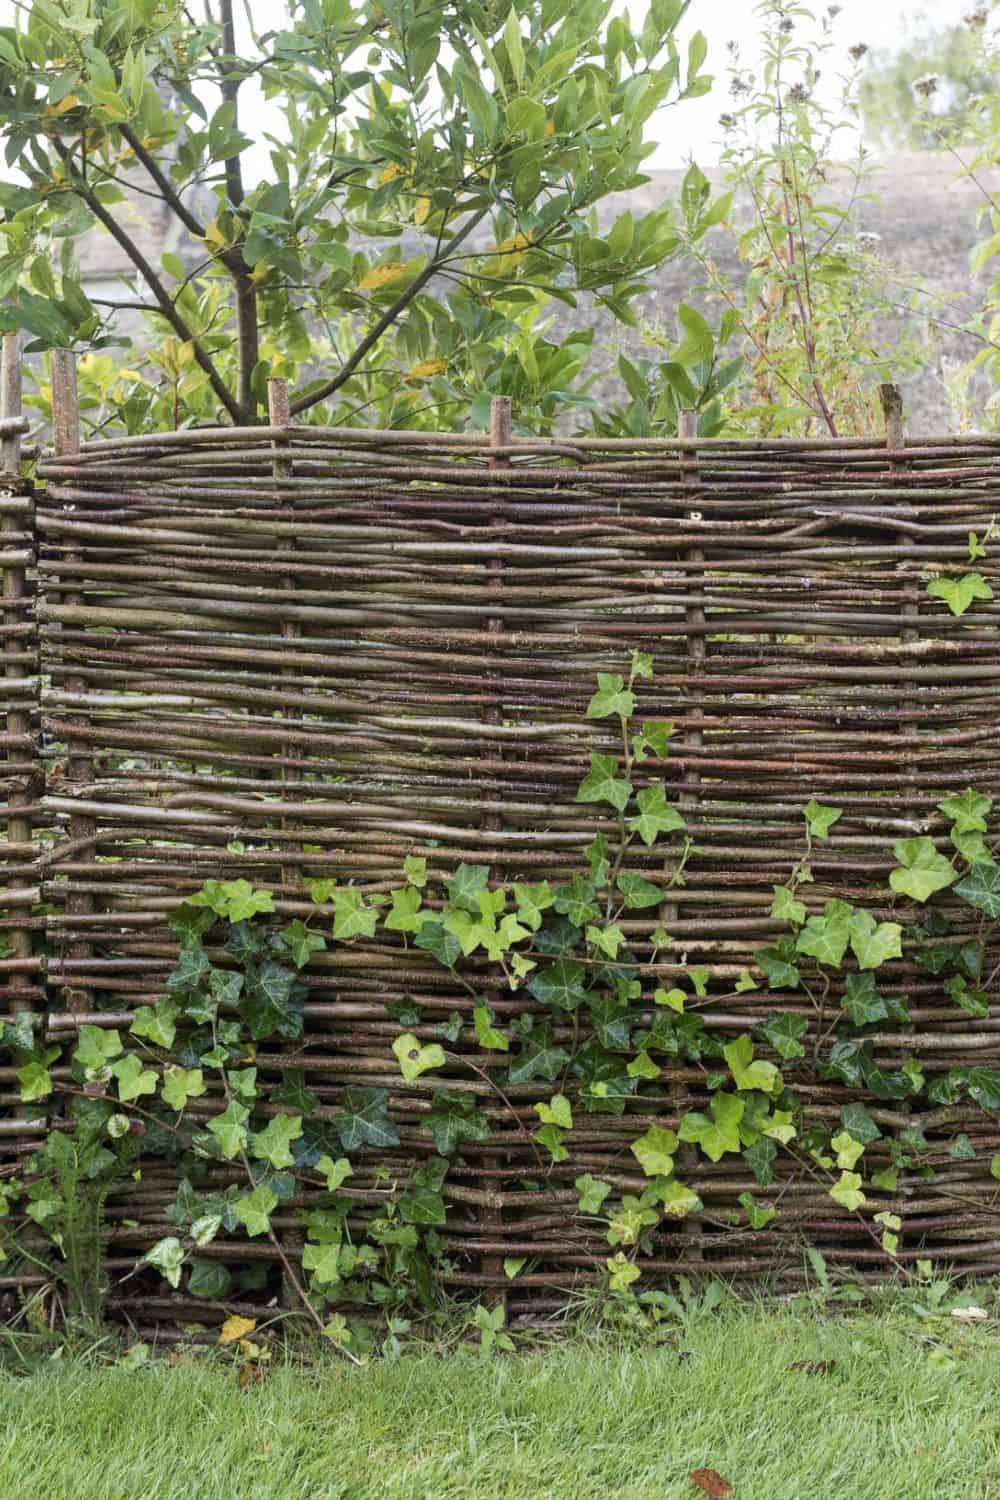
(813, 1366)
(250, 1374)
(714, 1484)
(236, 1328)
(970, 1314)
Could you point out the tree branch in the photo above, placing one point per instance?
(389, 317)
(167, 190)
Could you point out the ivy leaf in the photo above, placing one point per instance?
(322, 1261)
(655, 1150)
(862, 1001)
(273, 1143)
(968, 812)
(959, 593)
(642, 664)
(856, 1119)
(874, 943)
(603, 783)
(638, 892)
(576, 901)
(415, 870)
(35, 1082)
(984, 1086)
(451, 1027)
(643, 1066)
(365, 1120)
(674, 999)
(157, 1023)
(454, 1118)
(230, 1129)
(748, 1074)
(487, 1034)
(777, 966)
(466, 886)
(254, 1210)
(423, 1204)
(759, 1158)
(180, 1085)
(623, 1272)
(540, 1058)
(717, 1132)
(292, 1090)
(980, 889)
(612, 697)
(606, 939)
(167, 1256)
(208, 1278)
(654, 739)
(825, 938)
(962, 1149)
(335, 1172)
(785, 907)
(758, 1216)
(133, 1079)
(551, 1137)
(655, 815)
(532, 901)
(96, 1047)
(784, 1032)
(442, 945)
(272, 1003)
(847, 1148)
(414, 1059)
(560, 986)
(821, 818)
(558, 1111)
(922, 870)
(676, 1199)
(301, 942)
(352, 917)
(847, 1191)
(592, 1193)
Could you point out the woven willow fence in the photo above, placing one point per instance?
(290, 652)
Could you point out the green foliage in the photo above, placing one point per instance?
(432, 190)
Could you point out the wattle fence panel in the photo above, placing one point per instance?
(296, 653)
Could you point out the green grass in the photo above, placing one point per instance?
(909, 1411)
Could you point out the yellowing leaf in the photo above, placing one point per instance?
(236, 1328)
(422, 209)
(392, 171)
(426, 367)
(214, 237)
(380, 276)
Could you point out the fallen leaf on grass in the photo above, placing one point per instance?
(970, 1314)
(814, 1366)
(249, 1375)
(236, 1328)
(714, 1484)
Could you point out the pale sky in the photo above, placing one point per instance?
(691, 130)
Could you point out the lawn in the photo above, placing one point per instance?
(907, 1408)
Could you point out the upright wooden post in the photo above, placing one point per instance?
(80, 766)
(20, 650)
(501, 418)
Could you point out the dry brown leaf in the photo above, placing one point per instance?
(236, 1328)
(814, 1366)
(249, 1374)
(714, 1484)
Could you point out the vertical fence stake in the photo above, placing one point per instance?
(16, 529)
(891, 399)
(501, 412)
(279, 414)
(687, 429)
(80, 766)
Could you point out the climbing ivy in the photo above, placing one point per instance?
(183, 1083)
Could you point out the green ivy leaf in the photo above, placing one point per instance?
(748, 1074)
(673, 999)
(821, 818)
(180, 1085)
(758, 1216)
(606, 939)
(968, 812)
(157, 1023)
(167, 1256)
(603, 783)
(415, 870)
(467, 884)
(653, 740)
(592, 1193)
(208, 1278)
(230, 1129)
(455, 1118)
(273, 1143)
(133, 1079)
(984, 1086)
(677, 1200)
(442, 945)
(612, 697)
(365, 1120)
(424, 1204)
(35, 1081)
(847, 1148)
(775, 963)
(557, 1111)
(254, 1210)
(847, 1191)
(622, 1272)
(655, 1150)
(272, 1002)
(292, 1090)
(655, 815)
(352, 917)
(638, 892)
(717, 1132)
(560, 986)
(759, 1158)
(959, 593)
(551, 1137)
(856, 1119)
(301, 942)
(874, 943)
(96, 1047)
(540, 1059)
(532, 901)
(784, 1033)
(487, 1034)
(979, 889)
(825, 938)
(785, 907)
(922, 870)
(415, 1059)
